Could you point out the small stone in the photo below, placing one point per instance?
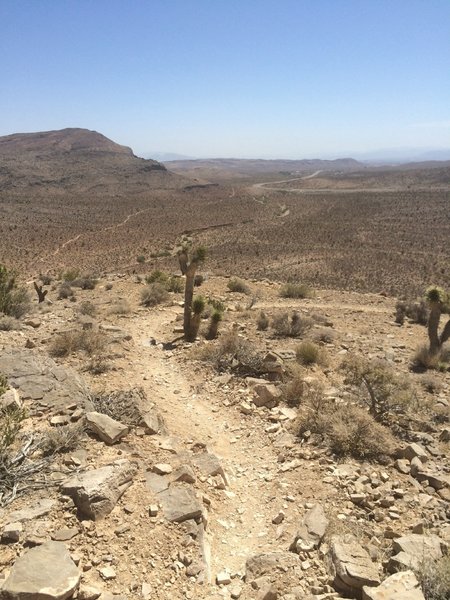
(153, 510)
(12, 532)
(279, 518)
(162, 469)
(107, 573)
(223, 578)
(64, 535)
(108, 430)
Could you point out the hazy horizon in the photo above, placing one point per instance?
(252, 79)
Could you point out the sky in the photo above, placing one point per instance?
(231, 78)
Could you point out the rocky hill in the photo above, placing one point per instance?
(75, 160)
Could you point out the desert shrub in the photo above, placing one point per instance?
(295, 290)
(87, 308)
(108, 287)
(157, 276)
(58, 440)
(293, 326)
(383, 391)
(309, 353)
(65, 291)
(9, 323)
(431, 383)
(119, 306)
(87, 282)
(216, 304)
(97, 365)
(262, 322)
(232, 353)
(154, 294)
(122, 405)
(14, 299)
(294, 389)
(416, 311)
(89, 341)
(346, 429)
(238, 285)
(140, 259)
(198, 280)
(175, 284)
(10, 425)
(434, 578)
(324, 335)
(70, 274)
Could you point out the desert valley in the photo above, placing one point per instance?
(221, 379)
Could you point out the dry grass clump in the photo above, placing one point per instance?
(348, 430)
(68, 342)
(154, 294)
(3, 384)
(235, 284)
(431, 383)
(294, 326)
(308, 353)
(323, 335)
(119, 306)
(296, 290)
(8, 323)
(61, 439)
(86, 282)
(65, 291)
(434, 578)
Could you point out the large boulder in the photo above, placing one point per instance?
(96, 492)
(400, 586)
(311, 530)
(352, 566)
(46, 572)
(266, 394)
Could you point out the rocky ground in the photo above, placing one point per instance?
(187, 482)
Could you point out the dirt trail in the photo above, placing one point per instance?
(240, 524)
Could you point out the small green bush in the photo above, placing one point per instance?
(154, 294)
(70, 274)
(293, 326)
(238, 285)
(87, 308)
(65, 291)
(87, 282)
(157, 276)
(140, 259)
(175, 284)
(295, 290)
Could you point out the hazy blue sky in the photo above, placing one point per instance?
(278, 78)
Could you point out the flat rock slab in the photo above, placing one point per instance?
(156, 483)
(108, 430)
(96, 492)
(38, 509)
(43, 573)
(401, 586)
(40, 378)
(270, 563)
(180, 503)
(353, 566)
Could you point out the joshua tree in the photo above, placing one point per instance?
(192, 311)
(439, 302)
(40, 292)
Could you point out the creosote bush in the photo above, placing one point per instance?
(415, 311)
(65, 291)
(119, 306)
(9, 323)
(87, 308)
(86, 282)
(296, 290)
(154, 294)
(294, 389)
(70, 275)
(434, 578)
(89, 341)
(238, 285)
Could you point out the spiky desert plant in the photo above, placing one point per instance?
(213, 328)
(189, 266)
(41, 293)
(439, 302)
(198, 306)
